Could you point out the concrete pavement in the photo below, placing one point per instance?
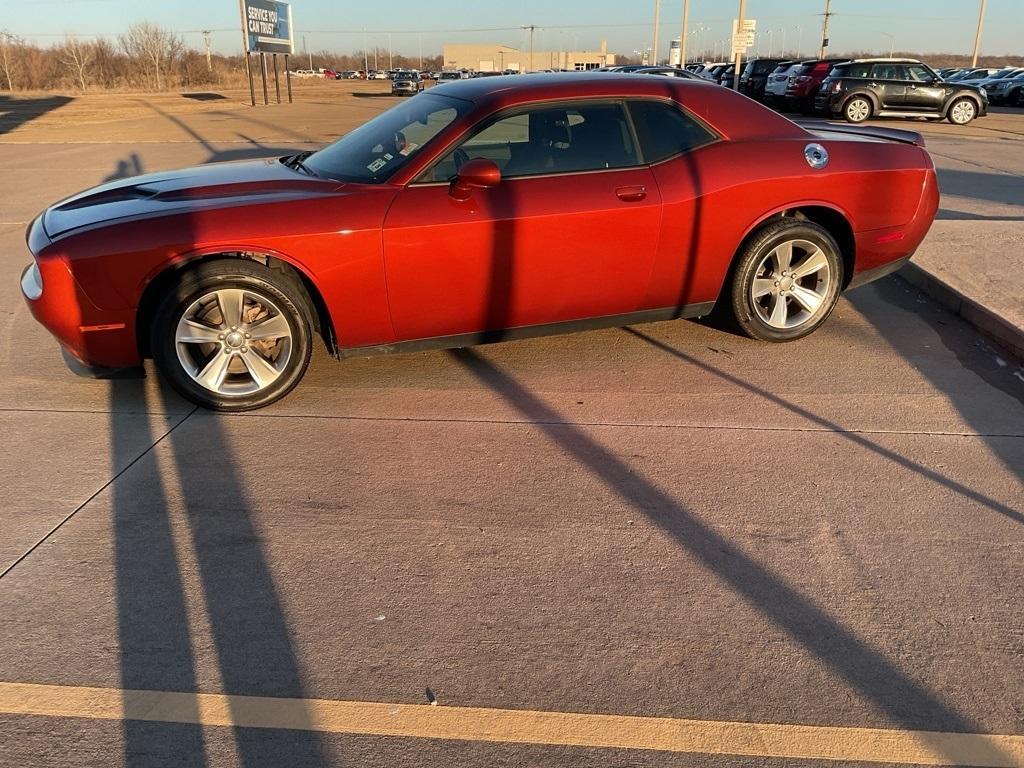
(665, 521)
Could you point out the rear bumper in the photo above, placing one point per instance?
(870, 275)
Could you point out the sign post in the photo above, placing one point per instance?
(266, 28)
(743, 31)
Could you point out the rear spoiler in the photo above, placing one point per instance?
(891, 134)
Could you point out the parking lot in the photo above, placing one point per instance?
(741, 554)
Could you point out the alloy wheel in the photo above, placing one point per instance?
(233, 341)
(790, 284)
(858, 110)
(963, 112)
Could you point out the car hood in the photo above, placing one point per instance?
(201, 187)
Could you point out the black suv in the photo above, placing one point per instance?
(755, 75)
(864, 88)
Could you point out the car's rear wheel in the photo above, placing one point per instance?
(857, 110)
(787, 281)
(962, 111)
(232, 335)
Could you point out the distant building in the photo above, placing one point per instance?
(674, 49)
(498, 58)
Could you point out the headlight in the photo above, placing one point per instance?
(32, 282)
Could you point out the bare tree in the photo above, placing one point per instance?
(153, 44)
(7, 45)
(74, 53)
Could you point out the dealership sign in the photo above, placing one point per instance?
(268, 26)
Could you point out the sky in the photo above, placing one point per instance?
(411, 26)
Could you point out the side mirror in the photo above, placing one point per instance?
(478, 173)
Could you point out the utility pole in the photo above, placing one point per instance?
(739, 53)
(531, 28)
(421, 50)
(306, 49)
(206, 42)
(391, 55)
(977, 35)
(366, 57)
(682, 38)
(824, 29)
(654, 45)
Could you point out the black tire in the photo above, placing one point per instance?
(759, 245)
(280, 290)
(963, 105)
(857, 109)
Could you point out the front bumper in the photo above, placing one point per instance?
(97, 338)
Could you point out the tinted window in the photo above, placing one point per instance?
(889, 72)
(763, 67)
(803, 69)
(548, 140)
(851, 70)
(663, 130)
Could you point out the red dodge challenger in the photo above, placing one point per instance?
(480, 210)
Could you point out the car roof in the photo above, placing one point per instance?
(883, 61)
(723, 108)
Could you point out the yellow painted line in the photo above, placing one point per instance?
(518, 726)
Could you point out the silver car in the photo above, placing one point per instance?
(406, 84)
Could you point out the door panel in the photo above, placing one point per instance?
(529, 251)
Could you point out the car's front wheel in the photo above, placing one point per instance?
(232, 335)
(857, 110)
(962, 111)
(787, 281)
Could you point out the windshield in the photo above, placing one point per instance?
(374, 151)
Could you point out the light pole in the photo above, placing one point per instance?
(682, 37)
(782, 51)
(892, 42)
(654, 46)
(391, 63)
(799, 40)
(824, 29)
(977, 35)
(770, 42)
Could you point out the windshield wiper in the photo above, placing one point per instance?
(295, 161)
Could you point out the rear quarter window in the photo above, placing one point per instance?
(851, 70)
(664, 130)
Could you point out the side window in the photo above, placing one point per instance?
(918, 73)
(856, 70)
(889, 72)
(544, 140)
(664, 131)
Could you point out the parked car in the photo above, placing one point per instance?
(667, 72)
(709, 70)
(775, 83)
(724, 75)
(406, 83)
(1005, 90)
(971, 74)
(754, 77)
(449, 75)
(305, 73)
(863, 88)
(377, 75)
(462, 216)
(991, 78)
(803, 83)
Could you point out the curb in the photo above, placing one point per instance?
(990, 323)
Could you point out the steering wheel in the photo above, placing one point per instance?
(460, 157)
(400, 142)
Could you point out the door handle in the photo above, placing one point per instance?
(631, 194)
